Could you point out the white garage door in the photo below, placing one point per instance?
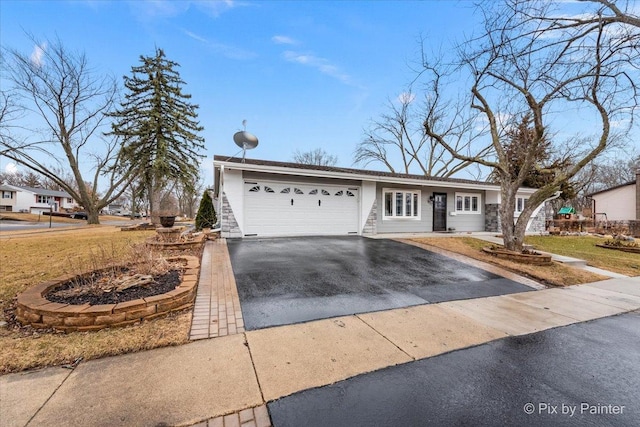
(289, 209)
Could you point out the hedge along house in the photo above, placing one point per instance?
(266, 198)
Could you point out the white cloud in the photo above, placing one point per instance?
(216, 7)
(229, 51)
(11, 168)
(167, 8)
(195, 36)
(283, 40)
(321, 64)
(406, 98)
(503, 120)
(38, 54)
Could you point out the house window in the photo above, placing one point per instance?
(401, 204)
(521, 203)
(467, 203)
(7, 195)
(44, 199)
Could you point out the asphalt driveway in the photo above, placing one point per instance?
(290, 280)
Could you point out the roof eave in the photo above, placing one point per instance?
(355, 176)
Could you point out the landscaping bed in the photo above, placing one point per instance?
(31, 259)
(555, 274)
(51, 304)
(629, 249)
(528, 258)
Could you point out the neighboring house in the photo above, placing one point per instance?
(266, 198)
(36, 200)
(8, 198)
(115, 209)
(619, 203)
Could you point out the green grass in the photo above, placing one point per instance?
(584, 247)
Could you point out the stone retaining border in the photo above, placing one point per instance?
(196, 243)
(538, 259)
(35, 310)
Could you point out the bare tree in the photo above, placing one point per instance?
(21, 179)
(60, 89)
(525, 65)
(399, 141)
(318, 157)
(11, 112)
(189, 197)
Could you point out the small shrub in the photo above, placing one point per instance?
(206, 217)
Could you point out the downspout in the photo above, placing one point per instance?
(535, 212)
(220, 192)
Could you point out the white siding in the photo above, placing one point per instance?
(619, 204)
(233, 187)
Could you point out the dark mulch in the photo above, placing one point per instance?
(161, 285)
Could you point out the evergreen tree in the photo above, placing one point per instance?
(158, 127)
(206, 217)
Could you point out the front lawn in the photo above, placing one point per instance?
(584, 247)
(29, 260)
(555, 275)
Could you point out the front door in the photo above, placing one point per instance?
(439, 212)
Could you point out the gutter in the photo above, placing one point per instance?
(361, 177)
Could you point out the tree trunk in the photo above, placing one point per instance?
(92, 215)
(154, 203)
(513, 236)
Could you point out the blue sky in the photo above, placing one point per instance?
(304, 74)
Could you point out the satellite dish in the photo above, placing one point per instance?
(245, 140)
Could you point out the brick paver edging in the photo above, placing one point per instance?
(251, 417)
(217, 309)
(35, 310)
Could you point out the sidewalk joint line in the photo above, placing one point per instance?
(255, 372)
(54, 392)
(383, 336)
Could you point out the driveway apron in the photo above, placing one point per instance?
(290, 280)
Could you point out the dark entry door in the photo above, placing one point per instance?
(439, 212)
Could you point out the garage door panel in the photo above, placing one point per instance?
(279, 209)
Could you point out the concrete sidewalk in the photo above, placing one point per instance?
(227, 380)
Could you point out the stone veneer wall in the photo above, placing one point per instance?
(492, 221)
(371, 225)
(228, 224)
(493, 224)
(538, 223)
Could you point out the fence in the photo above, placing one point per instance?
(630, 228)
